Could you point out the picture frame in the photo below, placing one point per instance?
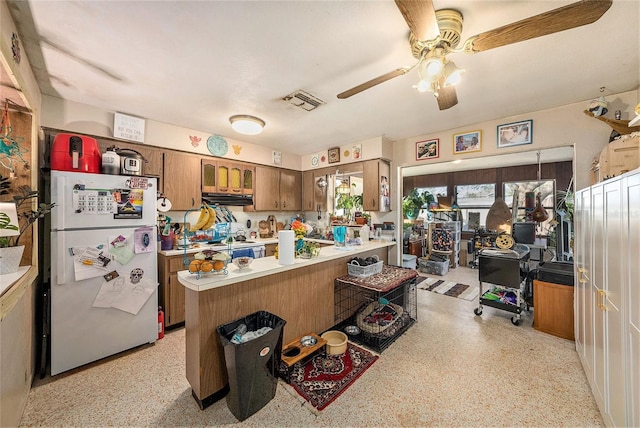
(466, 142)
(334, 155)
(515, 134)
(356, 151)
(428, 149)
(277, 157)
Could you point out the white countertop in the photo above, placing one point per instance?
(269, 265)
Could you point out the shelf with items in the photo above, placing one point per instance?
(445, 239)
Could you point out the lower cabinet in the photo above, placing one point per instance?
(607, 319)
(553, 308)
(270, 249)
(171, 292)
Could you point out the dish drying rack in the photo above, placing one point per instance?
(186, 261)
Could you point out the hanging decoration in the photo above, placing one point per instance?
(10, 145)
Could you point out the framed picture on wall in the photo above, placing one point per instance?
(334, 155)
(428, 149)
(515, 134)
(467, 142)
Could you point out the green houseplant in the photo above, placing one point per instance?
(10, 250)
(414, 201)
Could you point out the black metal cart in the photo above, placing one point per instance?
(508, 270)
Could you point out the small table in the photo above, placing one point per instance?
(294, 352)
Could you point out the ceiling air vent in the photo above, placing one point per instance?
(304, 100)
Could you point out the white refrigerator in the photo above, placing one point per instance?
(104, 274)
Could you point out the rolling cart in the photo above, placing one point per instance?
(507, 269)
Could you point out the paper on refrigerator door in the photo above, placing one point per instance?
(134, 296)
(122, 294)
(89, 262)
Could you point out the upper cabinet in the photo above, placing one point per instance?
(209, 175)
(290, 190)
(277, 189)
(222, 176)
(267, 195)
(153, 155)
(182, 180)
(314, 197)
(376, 186)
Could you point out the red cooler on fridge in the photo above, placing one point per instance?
(76, 153)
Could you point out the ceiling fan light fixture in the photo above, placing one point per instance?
(452, 74)
(423, 86)
(247, 125)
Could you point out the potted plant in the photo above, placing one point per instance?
(414, 202)
(10, 232)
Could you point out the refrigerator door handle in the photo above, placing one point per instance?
(62, 257)
(57, 194)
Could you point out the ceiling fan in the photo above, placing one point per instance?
(434, 34)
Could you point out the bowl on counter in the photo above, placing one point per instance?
(242, 262)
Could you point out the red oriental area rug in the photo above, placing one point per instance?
(323, 378)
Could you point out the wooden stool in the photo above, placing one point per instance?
(294, 352)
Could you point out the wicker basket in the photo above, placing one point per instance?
(364, 271)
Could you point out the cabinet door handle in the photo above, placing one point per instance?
(373, 202)
(603, 305)
(276, 204)
(284, 204)
(583, 278)
(193, 202)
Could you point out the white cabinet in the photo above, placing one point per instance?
(607, 294)
(631, 228)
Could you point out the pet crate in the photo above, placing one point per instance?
(376, 310)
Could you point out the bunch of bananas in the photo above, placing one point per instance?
(205, 220)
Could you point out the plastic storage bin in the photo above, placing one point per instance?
(409, 261)
(434, 268)
(252, 366)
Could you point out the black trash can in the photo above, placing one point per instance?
(252, 366)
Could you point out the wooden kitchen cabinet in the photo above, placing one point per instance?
(287, 197)
(265, 197)
(290, 190)
(154, 155)
(376, 186)
(220, 176)
(270, 249)
(171, 292)
(553, 308)
(313, 197)
(182, 180)
(209, 177)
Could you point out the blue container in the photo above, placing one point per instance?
(339, 235)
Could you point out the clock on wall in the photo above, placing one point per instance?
(217, 145)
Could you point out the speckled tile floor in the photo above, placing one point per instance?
(450, 369)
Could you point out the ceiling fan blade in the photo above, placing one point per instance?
(373, 82)
(447, 97)
(420, 16)
(564, 18)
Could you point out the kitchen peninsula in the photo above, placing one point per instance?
(301, 294)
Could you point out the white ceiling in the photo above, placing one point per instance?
(196, 63)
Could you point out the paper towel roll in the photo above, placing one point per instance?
(286, 247)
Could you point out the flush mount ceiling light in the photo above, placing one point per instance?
(247, 125)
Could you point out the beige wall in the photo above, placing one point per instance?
(83, 118)
(557, 127)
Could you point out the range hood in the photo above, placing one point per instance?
(227, 199)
